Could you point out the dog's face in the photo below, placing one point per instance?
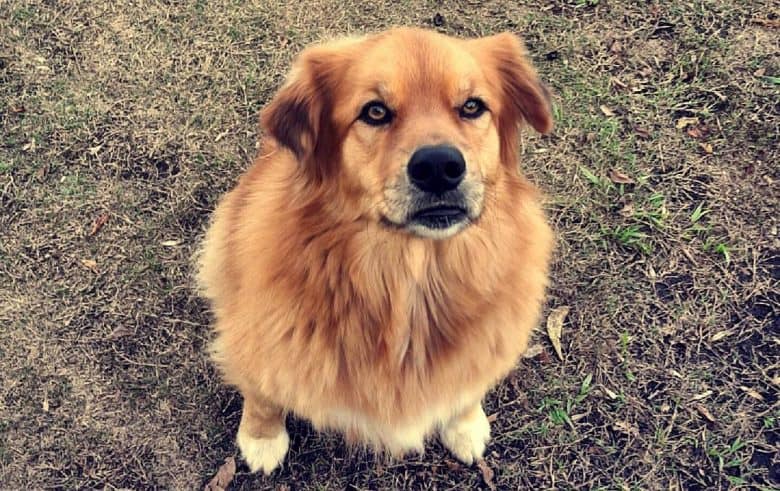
(417, 126)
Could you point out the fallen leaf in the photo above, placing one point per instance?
(89, 263)
(609, 393)
(41, 172)
(760, 72)
(120, 332)
(452, 465)
(626, 428)
(590, 137)
(616, 47)
(752, 393)
(704, 412)
(720, 335)
(701, 396)
(487, 474)
(699, 131)
(224, 475)
(641, 132)
(533, 351)
(694, 132)
(21, 109)
(607, 111)
(170, 243)
(766, 22)
(682, 123)
(543, 358)
(627, 210)
(492, 418)
(555, 326)
(618, 177)
(707, 147)
(98, 224)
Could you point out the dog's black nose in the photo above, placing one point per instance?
(436, 169)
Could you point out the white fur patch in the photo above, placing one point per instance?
(263, 453)
(466, 438)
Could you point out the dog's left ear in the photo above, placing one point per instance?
(525, 96)
(299, 116)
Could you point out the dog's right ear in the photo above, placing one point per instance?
(299, 115)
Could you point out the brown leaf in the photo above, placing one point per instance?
(607, 111)
(17, 109)
(618, 177)
(487, 474)
(766, 22)
(682, 123)
(41, 172)
(641, 132)
(98, 224)
(89, 264)
(627, 210)
(224, 475)
(543, 358)
(492, 418)
(694, 132)
(760, 72)
(707, 147)
(698, 131)
(752, 393)
(555, 326)
(701, 409)
(452, 465)
(616, 47)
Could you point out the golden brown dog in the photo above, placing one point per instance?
(383, 262)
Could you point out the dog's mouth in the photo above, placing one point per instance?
(439, 217)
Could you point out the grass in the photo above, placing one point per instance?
(662, 183)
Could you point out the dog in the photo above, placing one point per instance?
(383, 262)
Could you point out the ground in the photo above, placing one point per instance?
(122, 122)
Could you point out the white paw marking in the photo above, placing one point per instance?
(466, 439)
(263, 453)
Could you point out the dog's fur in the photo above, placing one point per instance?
(327, 303)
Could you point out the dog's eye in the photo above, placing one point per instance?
(472, 108)
(375, 113)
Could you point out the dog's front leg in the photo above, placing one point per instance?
(262, 437)
(466, 434)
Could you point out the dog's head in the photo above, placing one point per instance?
(416, 125)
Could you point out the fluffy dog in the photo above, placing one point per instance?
(383, 262)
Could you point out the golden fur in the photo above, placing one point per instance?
(323, 306)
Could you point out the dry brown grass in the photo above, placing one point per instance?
(146, 111)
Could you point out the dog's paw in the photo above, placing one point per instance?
(263, 453)
(466, 437)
